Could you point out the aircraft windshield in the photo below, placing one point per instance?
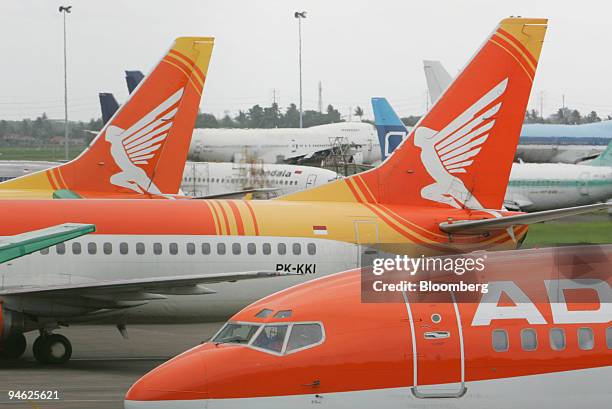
(236, 333)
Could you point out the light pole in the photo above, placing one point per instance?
(65, 10)
(300, 15)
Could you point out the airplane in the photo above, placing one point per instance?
(287, 145)
(410, 199)
(532, 186)
(141, 151)
(537, 340)
(541, 143)
(355, 140)
(216, 180)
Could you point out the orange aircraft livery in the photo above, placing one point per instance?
(142, 150)
(536, 340)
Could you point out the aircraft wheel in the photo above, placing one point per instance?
(52, 349)
(13, 347)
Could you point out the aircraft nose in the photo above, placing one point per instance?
(177, 383)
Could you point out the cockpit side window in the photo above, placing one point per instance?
(271, 338)
(303, 336)
(237, 333)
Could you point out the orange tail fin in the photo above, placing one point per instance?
(460, 153)
(142, 150)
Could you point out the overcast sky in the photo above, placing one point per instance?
(357, 48)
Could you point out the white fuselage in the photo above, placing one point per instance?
(211, 179)
(284, 144)
(544, 186)
(109, 264)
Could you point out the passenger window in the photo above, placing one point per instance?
(609, 337)
(500, 340)
(312, 249)
(236, 248)
(529, 339)
(44, 251)
(205, 248)
(157, 248)
(76, 248)
(221, 248)
(60, 248)
(173, 249)
(557, 339)
(140, 248)
(585, 339)
(265, 313)
(190, 248)
(92, 248)
(251, 248)
(107, 248)
(282, 248)
(283, 314)
(266, 249)
(123, 248)
(304, 335)
(297, 249)
(271, 338)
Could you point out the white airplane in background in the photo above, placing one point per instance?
(357, 140)
(212, 179)
(218, 180)
(550, 143)
(286, 145)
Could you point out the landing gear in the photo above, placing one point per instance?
(13, 347)
(52, 349)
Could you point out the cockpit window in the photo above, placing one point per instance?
(236, 333)
(304, 335)
(271, 338)
(265, 313)
(283, 314)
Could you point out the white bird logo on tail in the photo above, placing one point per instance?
(454, 148)
(140, 144)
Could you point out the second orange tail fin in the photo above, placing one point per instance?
(142, 150)
(460, 153)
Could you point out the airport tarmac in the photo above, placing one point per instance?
(103, 364)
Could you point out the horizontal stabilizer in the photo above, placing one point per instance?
(238, 193)
(484, 225)
(21, 244)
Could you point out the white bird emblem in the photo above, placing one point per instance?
(454, 148)
(139, 144)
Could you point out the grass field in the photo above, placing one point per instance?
(591, 232)
(44, 153)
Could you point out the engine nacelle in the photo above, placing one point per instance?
(12, 322)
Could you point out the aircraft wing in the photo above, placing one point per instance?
(19, 245)
(484, 225)
(139, 289)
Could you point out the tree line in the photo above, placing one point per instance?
(40, 131)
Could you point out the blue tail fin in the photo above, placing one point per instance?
(133, 78)
(108, 105)
(390, 128)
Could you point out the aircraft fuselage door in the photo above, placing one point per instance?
(366, 237)
(438, 362)
(583, 183)
(311, 180)
(293, 146)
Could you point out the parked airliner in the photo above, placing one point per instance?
(218, 179)
(540, 143)
(532, 341)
